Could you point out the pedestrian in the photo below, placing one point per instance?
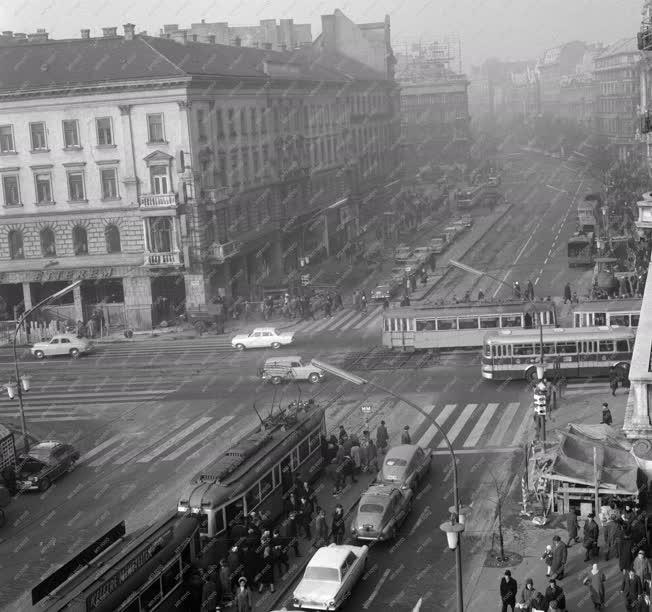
(517, 290)
(559, 557)
(574, 299)
(364, 450)
(347, 469)
(641, 567)
(280, 553)
(624, 543)
(307, 491)
(209, 595)
(590, 541)
(610, 532)
(555, 594)
(372, 457)
(225, 580)
(546, 557)
(321, 528)
(606, 414)
(508, 590)
(595, 582)
(382, 437)
(529, 290)
(305, 513)
(243, 599)
(267, 563)
(405, 436)
(527, 595)
(539, 603)
(337, 524)
(572, 527)
(385, 304)
(632, 589)
(567, 293)
(613, 383)
(628, 514)
(480, 296)
(343, 436)
(328, 307)
(291, 503)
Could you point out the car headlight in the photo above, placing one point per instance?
(331, 605)
(32, 478)
(297, 602)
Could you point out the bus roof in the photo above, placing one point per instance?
(618, 305)
(463, 309)
(507, 336)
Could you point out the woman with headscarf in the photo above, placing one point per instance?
(594, 581)
(527, 595)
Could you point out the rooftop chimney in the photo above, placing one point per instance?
(85, 33)
(130, 31)
(109, 32)
(238, 41)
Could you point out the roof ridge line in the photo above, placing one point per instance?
(165, 57)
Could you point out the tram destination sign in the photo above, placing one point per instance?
(78, 562)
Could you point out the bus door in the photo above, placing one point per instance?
(588, 357)
(286, 474)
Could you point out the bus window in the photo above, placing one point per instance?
(235, 512)
(590, 346)
(546, 317)
(489, 322)
(523, 349)
(266, 485)
(277, 475)
(622, 346)
(304, 450)
(606, 346)
(511, 321)
(487, 350)
(599, 318)
(152, 595)
(620, 319)
(295, 459)
(253, 497)
(426, 325)
(565, 348)
(468, 322)
(219, 520)
(446, 324)
(315, 440)
(409, 324)
(634, 320)
(387, 325)
(171, 578)
(548, 348)
(577, 320)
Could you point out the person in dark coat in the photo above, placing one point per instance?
(291, 504)
(508, 590)
(632, 589)
(209, 596)
(382, 437)
(266, 563)
(306, 510)
(590, 540)
(280, 553)
(559, 556)
(624, 547)
(555, 593)
(610, 533)
(527, 595)
(290, 534)
(606, 415)
(567, 293)
(595, 582)
(321, 527)
(572, 527)
(338, 525)
(193, 584)
(243, 599)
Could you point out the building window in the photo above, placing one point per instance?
(112, 237)
(104, 131)
(76, 186)
(235, 170)
(253, 120)
(201, 126)
(7, 139)
(256, 161)
(70, 134)
(245, 166)
(220, 123)
(11, 190)
(263, 121)
(243, 121)
(109, 184)
(79, 240)
(43, 188)
(15, 240)
(231, 121)
(161, 234)
(160, 180)
(37, 132)
(48, 248)
(155, 127)
(306, 123)
(266, 160)
(221, 161)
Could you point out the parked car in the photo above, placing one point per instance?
(262, 337)
(44, 463)
(404, 466)
(467, 220)
(62, 344)
(381, 511)
(438, 244)
(423, 252)
(330, 576)
(384, 292)
(401, 253)
(279, 369)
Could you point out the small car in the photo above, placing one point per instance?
(62, 344)
(423, 252)
(262, 337)
(401, 253)
(438, 244)
(44, 463)
(381, 511)
(279, 369)
(382, 292)
(330, 576)
(404, 466)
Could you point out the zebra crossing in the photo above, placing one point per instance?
(495, 425)
(347, 319)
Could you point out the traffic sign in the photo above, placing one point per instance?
(365, 409)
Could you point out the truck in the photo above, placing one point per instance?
(438, 244)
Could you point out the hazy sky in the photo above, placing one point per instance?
(507, 29)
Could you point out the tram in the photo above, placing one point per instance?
(614, 313)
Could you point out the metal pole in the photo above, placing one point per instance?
(21, 408)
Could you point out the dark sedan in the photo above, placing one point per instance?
(44, 463)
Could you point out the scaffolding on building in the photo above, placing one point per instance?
(437, 59)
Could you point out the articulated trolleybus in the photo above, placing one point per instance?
(255, 473)
(458, 325)
(587, 351)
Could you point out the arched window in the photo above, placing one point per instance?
(48, 248)
(79, 240)
(112, 235)
(15, 239)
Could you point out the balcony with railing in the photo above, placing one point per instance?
(216, 194)
(157, 200)
(222, 252)
(165, 260)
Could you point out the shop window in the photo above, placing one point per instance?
(48, 246)
(15, 240)
(79, 240)
(112, 236)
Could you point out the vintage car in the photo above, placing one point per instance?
(330, 576)
(402, 253)
(385, 291)
(293, 368)
(61, 344)
(262, 337)
(404, 466)
(381, 511)
(44, 463)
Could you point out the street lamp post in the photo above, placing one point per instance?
(22, 383)
(541, 365)
(455, 526)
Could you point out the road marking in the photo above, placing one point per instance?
(63, 418)
(376, 590)
(468, 451)
(432, 431)
(459, 424)
(199, 439)
(351, 322)
(150, 442)
(522, 427)
(173, 440)
(502, 284)
(324, 323)
(479, 428)
(503, 424)
(365, 320)
(108, 456)
(342, 317)
(100, 447)
(374, 321)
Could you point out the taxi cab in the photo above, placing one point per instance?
(405, 465)
(381, 511)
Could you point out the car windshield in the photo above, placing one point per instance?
(324, 574)
(394, 462)
(371, 508)
(30, 466)
(42, 454)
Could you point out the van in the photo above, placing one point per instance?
(292, 368)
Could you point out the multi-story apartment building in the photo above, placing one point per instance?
(162, 174)
(286, 35)
(617, 83)
(522, 96)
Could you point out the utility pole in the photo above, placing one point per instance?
(540, 405)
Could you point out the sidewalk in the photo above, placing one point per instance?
(580, 404)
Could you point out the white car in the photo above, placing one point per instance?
(262, 337)
(330, 576)
(62, 344)
(292, 368)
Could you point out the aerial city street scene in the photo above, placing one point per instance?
(318, 308)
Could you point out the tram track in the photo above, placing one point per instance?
(383, 358)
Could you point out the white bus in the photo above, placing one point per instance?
(588, 351)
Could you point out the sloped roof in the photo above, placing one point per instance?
(624, 45)
(79, 62)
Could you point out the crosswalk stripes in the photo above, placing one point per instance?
(209, 431)
(480, 425)
(432, 431)
(502, 426)
(184, 433)
(459, 424)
